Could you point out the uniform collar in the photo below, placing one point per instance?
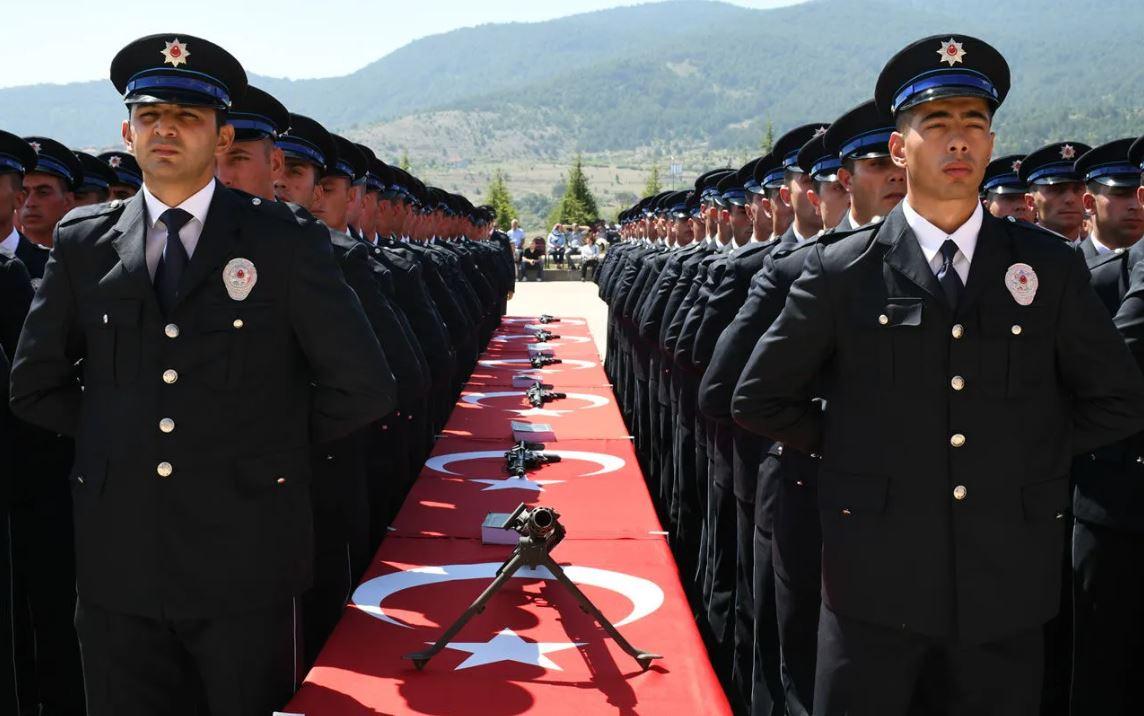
(1101, 249)
(8, 245)
(196, 204)
(930, 237)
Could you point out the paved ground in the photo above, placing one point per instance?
(562, 298)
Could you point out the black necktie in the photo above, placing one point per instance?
(947, 275)
(174, 259)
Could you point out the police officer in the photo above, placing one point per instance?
(941, 532)
(860, 140)
(826, 193)
(1002, 190)
(1056, 192)
(95, 185)
(128, 177)
(1111, 184)
(806, 222)
(49, 188)
(218, 340)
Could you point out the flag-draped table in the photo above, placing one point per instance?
(532, 649)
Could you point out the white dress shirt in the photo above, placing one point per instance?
(8, 245)
(931, 238)
(1100, 248)
(196, 205)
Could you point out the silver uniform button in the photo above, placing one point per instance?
(171, 330)
(957, 382)
(238, 323)
(958, 330)
(256, 201)
(960, 492)
(167, 425)
(957, 440)
(164, 469)
(170, 376)
(281, 481)
(1016, 329)
(883, 319)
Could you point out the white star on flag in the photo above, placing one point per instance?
(952, 52)
(507, 646)
(516, 483)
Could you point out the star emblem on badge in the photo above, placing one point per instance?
(819, 132)
(1016, 166)
(175, 53)
(114, 162)
(952, 52)
(1068, 151)
(35, 147)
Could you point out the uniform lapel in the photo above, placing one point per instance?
(215, 242)
(905, 254)
(130, 243)
(991, 259)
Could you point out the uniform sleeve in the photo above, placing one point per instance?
(720, 310)
(44, 389)
(1130, 318)
(1096, 366)
(16, 294)
(353, 383)
(773, 396)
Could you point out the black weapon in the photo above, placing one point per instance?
(525, 456)
(540, 393)
(540, 531)
(545, 318)
(543, 336)
(540, 360)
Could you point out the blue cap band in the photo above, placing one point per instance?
(209, 87)
(824, 166)
(1114, 169)
(294, 145)
(126, 177)
(254, 122)
(94, 181)
(7, 160)
(1006, 179)
(1058, 170)
(872, 138)
(44, 163)
(344, 167)
(943, 78)
(774, 176)
(790, 161)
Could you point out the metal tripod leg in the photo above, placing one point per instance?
(515, 562)
(643, 658)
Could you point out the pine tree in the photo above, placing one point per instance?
(404, 163)
(653, 186)
(577, 206)
(497, 196)
(768, 141)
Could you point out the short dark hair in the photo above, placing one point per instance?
(16, 179)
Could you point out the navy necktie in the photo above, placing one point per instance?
(947, 275)
(174, 259)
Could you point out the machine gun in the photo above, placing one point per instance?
(525, 456)
(539, 360)
(545, 318)
(543, 336)
(540, 531)
(540, 393)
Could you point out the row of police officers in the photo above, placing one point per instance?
(887, 395)
(228, 351)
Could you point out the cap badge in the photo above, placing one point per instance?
(114, 162)
(35, 147)
(951, 51)
(175, 53)
(819, 132)
(239, 278)
(1021, 280)
(1016, 165)
(1068, 151)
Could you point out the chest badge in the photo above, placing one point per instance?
(239, 277)
(1021, 280)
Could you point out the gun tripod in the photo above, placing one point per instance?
(540, 532)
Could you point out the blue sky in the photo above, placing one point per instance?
(74, 40)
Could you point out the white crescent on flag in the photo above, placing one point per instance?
(607, 463)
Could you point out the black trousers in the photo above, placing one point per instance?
(870, 670)
(237, 665)
(766, 684)
(593, 263)
(722, 548)
(1108, 636)
(746, 454)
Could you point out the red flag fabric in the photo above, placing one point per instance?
(532, 650)
(496, 412)
(494, 370)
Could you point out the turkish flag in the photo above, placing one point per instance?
(523, 344)
(597, 487)
(492, 370)
(532, 323)
(531, 650)
(491, 412)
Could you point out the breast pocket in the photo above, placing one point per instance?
(114, 341)
(889, 346)
(229, 334)
(1017, 350)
